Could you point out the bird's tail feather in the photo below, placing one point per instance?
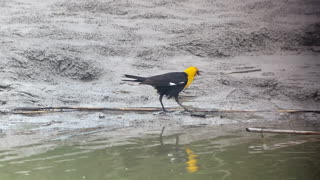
(136, 78)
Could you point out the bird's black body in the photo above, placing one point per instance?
(169, 84)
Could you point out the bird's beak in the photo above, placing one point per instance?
(198, 72)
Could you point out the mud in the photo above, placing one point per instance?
(74, 53)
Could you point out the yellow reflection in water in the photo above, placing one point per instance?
(192, 166)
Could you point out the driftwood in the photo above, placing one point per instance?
(196, 112)
(282, 131)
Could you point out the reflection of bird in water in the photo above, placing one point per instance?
(192, 166)
(191, 157)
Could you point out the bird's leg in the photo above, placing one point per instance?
(160, 99)
(177, 100)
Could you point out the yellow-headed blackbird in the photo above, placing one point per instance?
(169, 84)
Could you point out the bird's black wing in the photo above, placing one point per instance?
(168, 79)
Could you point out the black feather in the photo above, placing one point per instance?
(177, 78)
(136, 78)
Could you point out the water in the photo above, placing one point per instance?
(197, 153)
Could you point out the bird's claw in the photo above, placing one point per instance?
(163, 112)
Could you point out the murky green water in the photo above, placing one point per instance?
(223, 157)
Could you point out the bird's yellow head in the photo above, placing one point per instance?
(191, 72)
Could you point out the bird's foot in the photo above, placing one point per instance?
(167, 111)
(163, 112)
(186, 110)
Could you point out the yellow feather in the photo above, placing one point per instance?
(191, 72)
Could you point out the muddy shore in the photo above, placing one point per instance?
(74, 53)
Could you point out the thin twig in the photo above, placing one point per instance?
(29, 110)
(244, 71)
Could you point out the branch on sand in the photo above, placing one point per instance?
(35, 110)
(282, 131)
(244, 71)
